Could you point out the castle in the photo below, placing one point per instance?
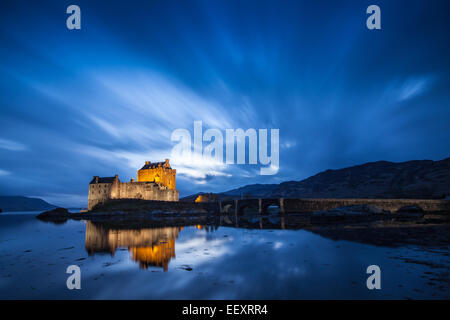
(155, 181)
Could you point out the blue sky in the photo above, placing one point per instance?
(103, 99)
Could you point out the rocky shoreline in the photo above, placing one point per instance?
(361, 223)
(346, 214)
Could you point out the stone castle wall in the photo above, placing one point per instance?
(98, 193)
(102, 192)
(143, 190)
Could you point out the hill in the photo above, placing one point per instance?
(20, 203)
(420, 179)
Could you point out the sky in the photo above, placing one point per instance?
(104, 99)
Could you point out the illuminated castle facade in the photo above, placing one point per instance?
(159, 172)
(155, 181)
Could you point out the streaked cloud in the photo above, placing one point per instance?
(11, 145)
(4, 172)
(414, 86)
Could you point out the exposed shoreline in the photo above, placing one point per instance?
(369, 226)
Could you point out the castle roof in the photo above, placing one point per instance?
(150, 165)
(102, 180)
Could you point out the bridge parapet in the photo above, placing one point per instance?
(287, 205)
(311, 205)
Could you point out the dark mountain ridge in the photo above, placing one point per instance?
(420, 179)
(20, 203)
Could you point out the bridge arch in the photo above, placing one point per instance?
(272, 209)
(251, 207)
(270, 203)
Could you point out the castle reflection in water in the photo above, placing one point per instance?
(150, 247)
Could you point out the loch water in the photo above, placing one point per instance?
(206, 262)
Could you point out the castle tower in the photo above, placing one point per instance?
(158, 172)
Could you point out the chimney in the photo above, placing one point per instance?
(147, 162)
(96, 179)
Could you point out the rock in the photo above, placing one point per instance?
(55, 214)
(57, 211)
(186, 267)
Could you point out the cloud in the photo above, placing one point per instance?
(414, 86)
(12, 145)
(164, 102)
(200, 169)
(146, 108)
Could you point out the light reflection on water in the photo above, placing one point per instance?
(148, 246)
(202, 262)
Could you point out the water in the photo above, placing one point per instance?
(205, 262)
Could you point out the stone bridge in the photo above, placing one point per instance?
(311, 205)
(260, 206)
